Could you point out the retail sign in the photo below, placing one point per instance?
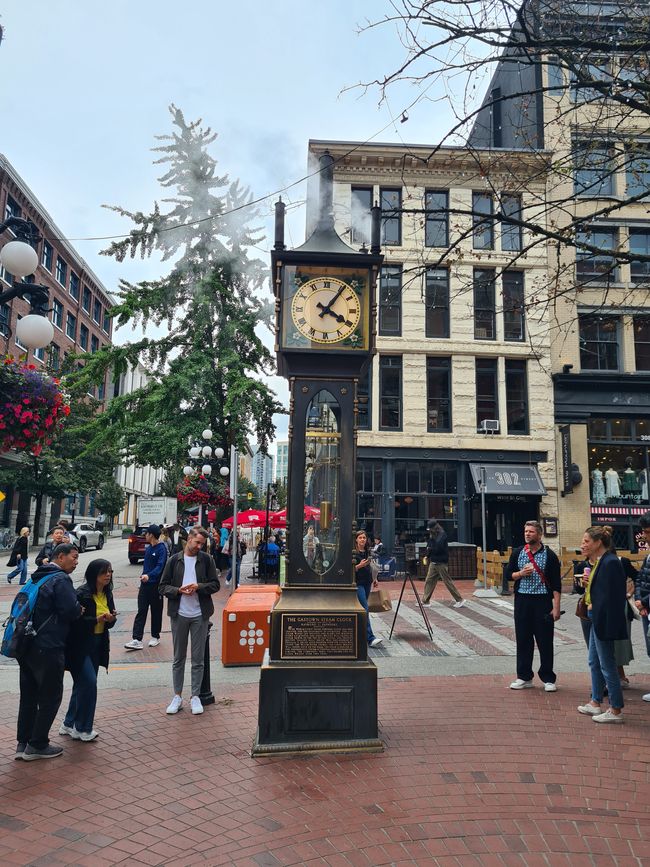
(511, 479)
(567, 476)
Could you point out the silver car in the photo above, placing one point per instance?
(86, 535)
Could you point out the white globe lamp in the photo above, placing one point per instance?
(224, 471)
(195, 451)
(218, 453)
(34, 331)
(207, 434)
(19, 258)
(206, 469)
(188, 470)
(206, 451)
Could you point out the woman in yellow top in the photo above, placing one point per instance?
(88, 647)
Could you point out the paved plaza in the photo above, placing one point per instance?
(472, 773)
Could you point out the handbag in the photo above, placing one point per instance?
(634, 611)
(581, 609)
(374, 569)
(379, 600)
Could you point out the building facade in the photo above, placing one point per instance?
(261, 471)
(459, 387)
(282, 461)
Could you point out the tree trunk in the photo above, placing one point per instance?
(37, 518)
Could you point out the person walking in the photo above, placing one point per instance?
(605, 598)
(535, 569)
(363, 576)
(189, 581)
(438, 565)
(43, 664)
(88, 647)
(155, 558)
(18, 557)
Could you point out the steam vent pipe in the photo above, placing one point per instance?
(279, 224)
(326, 215)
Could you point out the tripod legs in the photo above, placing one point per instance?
(421, 607)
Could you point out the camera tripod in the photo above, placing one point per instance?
(408, 577)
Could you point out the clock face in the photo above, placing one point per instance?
(326, 310)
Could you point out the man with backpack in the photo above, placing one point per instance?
(42, 660)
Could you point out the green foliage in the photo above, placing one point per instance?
(244, 487)
(281, 495)
(110, 498)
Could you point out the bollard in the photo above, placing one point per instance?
(206, 695)
(504, 581)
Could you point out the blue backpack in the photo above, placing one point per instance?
(19, 632)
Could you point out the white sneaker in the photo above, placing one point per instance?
(646, 697)
(134, 644)
(376, 642)
(589, 709)
(426, 605)
(154, 642)
(195, 704)
(175, 705)
(459, 604)
(521, 684)
(66, 730)
(608, 717)
(550, 687)
(85, 736)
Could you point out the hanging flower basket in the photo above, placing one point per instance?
(33, 407)
(201, 491)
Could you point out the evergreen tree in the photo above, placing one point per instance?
(208, 369)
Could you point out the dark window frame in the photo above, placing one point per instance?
(359, 235)
(517, 369)
(440, 405)
(436, 298)
(86, 294)
(436, 219)
(388, 364)
(484, 307)
(364, 417)
(482, 221)
(75, 286)
(641, 347)
(70, 317)
(84, 337)
(57, 314)
(593, 170)
(391, 217)
(47, 256)
(487, 367)
(600, 350)
(511, 234)
(514, 306)
(390, 300)
(639, 271)
(61, 273)
(605, 272)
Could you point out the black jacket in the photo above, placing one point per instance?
(642, 583)
(80, 639)
(438, 548)
(46, 551)
(362, 576)
(58, 601)
(20, 547)
(553, 573)
(608, 594)
(172, 580)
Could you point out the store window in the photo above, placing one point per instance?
(618, 470)
(370, 490)
(598, 341)
(424, 490)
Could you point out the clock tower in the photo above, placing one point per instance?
(318, 689)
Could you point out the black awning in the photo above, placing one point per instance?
(519, 479)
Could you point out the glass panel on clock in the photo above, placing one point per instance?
(322, 482)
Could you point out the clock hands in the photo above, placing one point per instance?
(327, 308)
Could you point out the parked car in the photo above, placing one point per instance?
(137, 544)
(86, 535)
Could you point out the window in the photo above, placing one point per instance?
(12, 208)
(483, 232)
(438, 394)
(5, 317)
(40, 354)
(436, 303)
(516, 397)
(57, 313)
(555, 75)
(510, 233)
(599, 267)
(484, 312)
(74, 285)
(390, 392)
(642, 342)
(513, 305)
(640, 245)
(596, 70)
(71, 326)
(487, 393)
(598, 341)
(6, 276)
(46, 259)
(364, 391)
(94, 343)
(436, 225)
(61, 271)
(637, 171)
(391, 217)
(593, 170)
(17, 341)
(360, 215)
(106, 324)
(55, 356)
(97, 310)
(83, 337)
(390, 301)
(101, 390)
(86, 299)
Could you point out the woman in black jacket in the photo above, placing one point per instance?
(605, 597)
(89, 647)
(18, 557)
(363, 577)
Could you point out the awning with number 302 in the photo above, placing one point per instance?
(508, 479)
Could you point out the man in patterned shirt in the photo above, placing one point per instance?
(535, 569)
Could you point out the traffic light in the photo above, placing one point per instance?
(249, 495)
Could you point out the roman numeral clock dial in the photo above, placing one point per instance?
(326, 310)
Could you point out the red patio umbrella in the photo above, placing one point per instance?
(249, 518)
(278, 520)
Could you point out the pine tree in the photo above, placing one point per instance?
(208, 369)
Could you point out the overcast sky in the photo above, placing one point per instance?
(86, 86)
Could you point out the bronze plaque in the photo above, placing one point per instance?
(319, 636)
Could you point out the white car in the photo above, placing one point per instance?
(86, 535)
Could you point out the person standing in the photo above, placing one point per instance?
(438, 560)
(44, 556)
(43, 664)
(642, 587)
(18, 557)
(605, 598)
(189, 581)
(363, 576)
(155, 557)
(535, 569)
(89, 647)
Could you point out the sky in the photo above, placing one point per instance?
(87, 87)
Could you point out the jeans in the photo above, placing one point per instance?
(83, 701)
(362, 595)
(148, 597)
(41, 691)
(21, 569)
(182, 629)
(602, 663)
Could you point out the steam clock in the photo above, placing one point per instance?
(318, 689)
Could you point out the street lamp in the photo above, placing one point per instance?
(201, 451)
(20, 259)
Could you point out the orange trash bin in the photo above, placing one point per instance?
(246, 626)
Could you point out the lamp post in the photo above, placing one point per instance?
(202, 458)
(20, 259)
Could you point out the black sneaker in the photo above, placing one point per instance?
(20, 749)
(48, 752)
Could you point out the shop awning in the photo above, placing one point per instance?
(518, 479)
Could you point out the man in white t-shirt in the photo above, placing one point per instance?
(189, 580)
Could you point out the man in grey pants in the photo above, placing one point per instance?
(188, 581)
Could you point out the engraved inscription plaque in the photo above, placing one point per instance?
(319, 636)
